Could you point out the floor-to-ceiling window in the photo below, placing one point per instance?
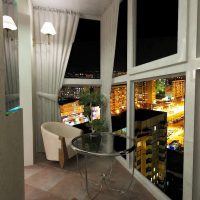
(159, 129)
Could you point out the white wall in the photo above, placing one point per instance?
(11, 157)
(25, 76)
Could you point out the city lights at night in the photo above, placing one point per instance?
(165, 95)
(159, 126)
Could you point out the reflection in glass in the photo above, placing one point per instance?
(11, 57)
(159, 128)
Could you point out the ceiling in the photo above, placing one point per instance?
(91, 8)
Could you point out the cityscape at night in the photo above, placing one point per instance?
(159, 127)
(83, 75)
(71, 111)
(165, 95)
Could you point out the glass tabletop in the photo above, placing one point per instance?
(102, 144)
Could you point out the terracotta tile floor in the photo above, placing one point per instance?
(46, 181)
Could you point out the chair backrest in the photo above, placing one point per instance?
(51, 131)
(61, 129)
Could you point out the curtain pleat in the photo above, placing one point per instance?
(50, 62)
(11, 60)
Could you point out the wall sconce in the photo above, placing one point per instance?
(8, 23)
(48, 29)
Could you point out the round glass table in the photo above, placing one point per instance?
(102, 145)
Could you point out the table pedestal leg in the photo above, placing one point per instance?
(105, 178)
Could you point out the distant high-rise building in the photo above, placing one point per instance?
(145, 92)
(178, 88)
(151, 144)
(118, 99)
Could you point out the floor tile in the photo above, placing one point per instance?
(32, 193)
(31, 170)
(46, 178)
(71, 186)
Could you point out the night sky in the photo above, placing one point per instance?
(85, 53)
(157, 25)
(120, 62)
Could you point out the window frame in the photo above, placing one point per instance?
(179, 57)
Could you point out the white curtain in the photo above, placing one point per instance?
(109, 23)
(50, 62)
(11, 59)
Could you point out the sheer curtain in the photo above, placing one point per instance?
(11, 59)
(109, 22)
(50, 62)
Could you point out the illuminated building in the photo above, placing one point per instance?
(151, 144)
(70, 110)
(72, 113)
(118, 99)
(178, 88)
(145, 92)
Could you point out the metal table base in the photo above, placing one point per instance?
(104, 180)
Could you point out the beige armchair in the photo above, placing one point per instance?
(57, 138)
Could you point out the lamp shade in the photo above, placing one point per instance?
(48, 28)
(9, 23)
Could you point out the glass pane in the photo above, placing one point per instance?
(84, 60)
(70, 109)
(157, 30)
(118, 107)
(120, 61)
(159, 128)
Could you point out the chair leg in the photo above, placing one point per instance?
(62, 152)
(61, 158)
